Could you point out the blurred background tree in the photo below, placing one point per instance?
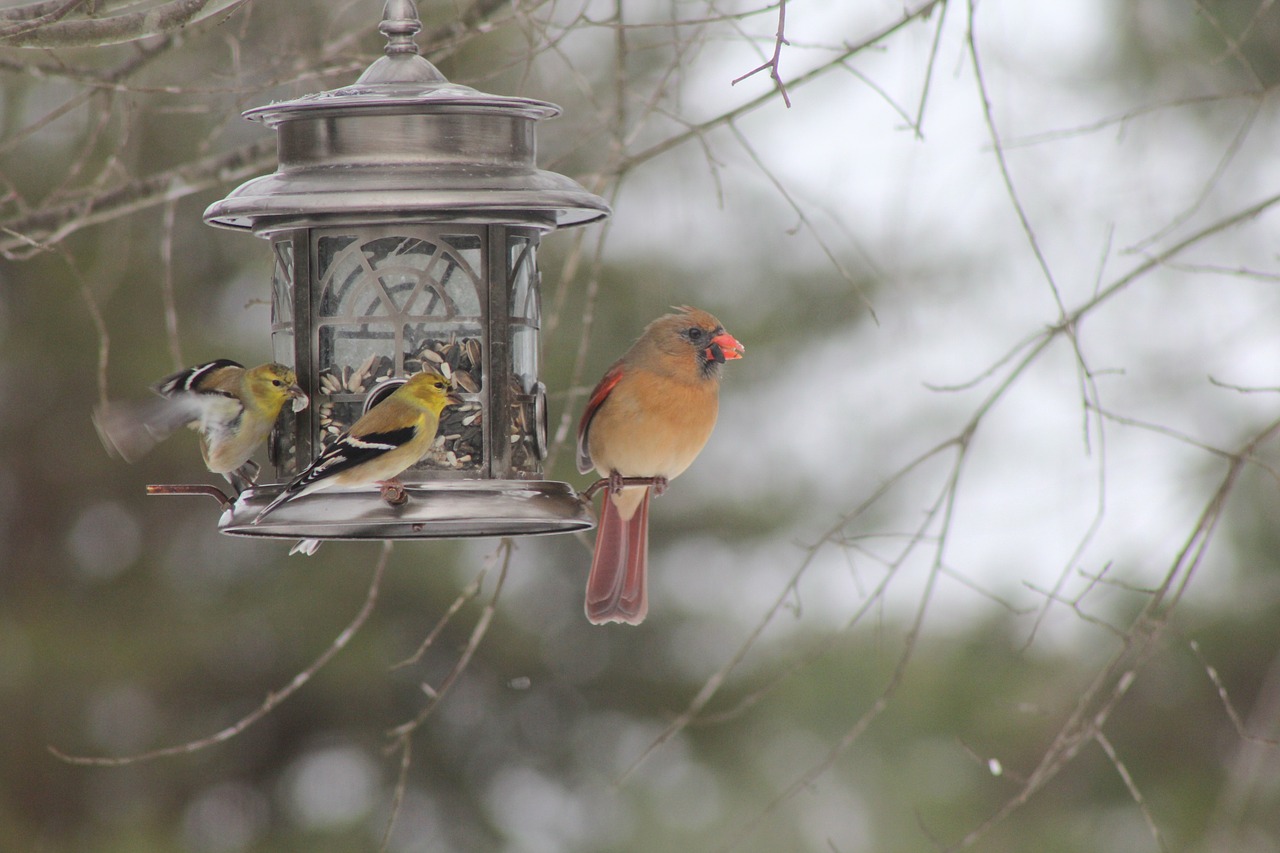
(983, 553)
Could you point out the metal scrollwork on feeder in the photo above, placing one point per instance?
(405, 217)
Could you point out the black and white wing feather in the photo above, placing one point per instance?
(345, 454)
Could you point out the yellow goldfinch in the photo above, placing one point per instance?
(388, 439)
(233, 410)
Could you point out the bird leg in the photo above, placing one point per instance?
(244, 477)
(616, 482)
(393, 491)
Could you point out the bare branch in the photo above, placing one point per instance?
(772, 63)
(471, 591)
(166, 284)
(49, 225)
(38, 10)
(45, 14)
(1132, 788)
(804, 218)
(1227, 705)
(47, 31)
(972, 40)
(269, 704)
(909, 16)
(402, 735)
(1111, 683)
(918, 124)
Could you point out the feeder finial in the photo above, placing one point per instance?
(400, 23)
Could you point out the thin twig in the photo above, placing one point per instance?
(1232, 714)
(166, 284)
(114, 29)
(1113, 681)
(971, 39)
(1132, 787)
(273, 699)
(402, 735)
(772, 63)
(804, 219)
(918, 124)
(471, 591)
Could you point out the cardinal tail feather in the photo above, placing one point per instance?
(616, 588)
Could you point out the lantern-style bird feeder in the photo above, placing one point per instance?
(405, 217)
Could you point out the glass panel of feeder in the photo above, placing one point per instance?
(525, 320)
(457, 352)
(352, 358)
(282, 445)
(335, 418)
(525, 311)
(340, 272)
(282, 303)
(444, 279)
(282, 285)
(459, 444)
(363, 286)
(448, 337)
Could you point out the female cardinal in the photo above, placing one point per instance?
(649, 417)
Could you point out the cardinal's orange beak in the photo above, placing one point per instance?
(725, 347)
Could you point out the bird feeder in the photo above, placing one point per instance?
(404, 219)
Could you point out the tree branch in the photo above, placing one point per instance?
(47, 31)
(273, 699)
(772, 63)
(43, 227)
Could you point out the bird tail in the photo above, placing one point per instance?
(129, 430)
(287, 493)
(616, 587)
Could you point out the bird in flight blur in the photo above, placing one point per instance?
(232, 408)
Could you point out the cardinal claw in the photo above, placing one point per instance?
(659, 486)
(615, 483)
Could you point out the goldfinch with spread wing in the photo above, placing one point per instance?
(649, 416)
(233, 410)
(389, 438)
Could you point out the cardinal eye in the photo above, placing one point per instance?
(696, 333)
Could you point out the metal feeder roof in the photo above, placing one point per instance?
(403, 142)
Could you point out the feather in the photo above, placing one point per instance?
(617, 589)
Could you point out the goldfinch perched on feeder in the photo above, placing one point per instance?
(386, 440)
(233, 410)
(649, 417)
